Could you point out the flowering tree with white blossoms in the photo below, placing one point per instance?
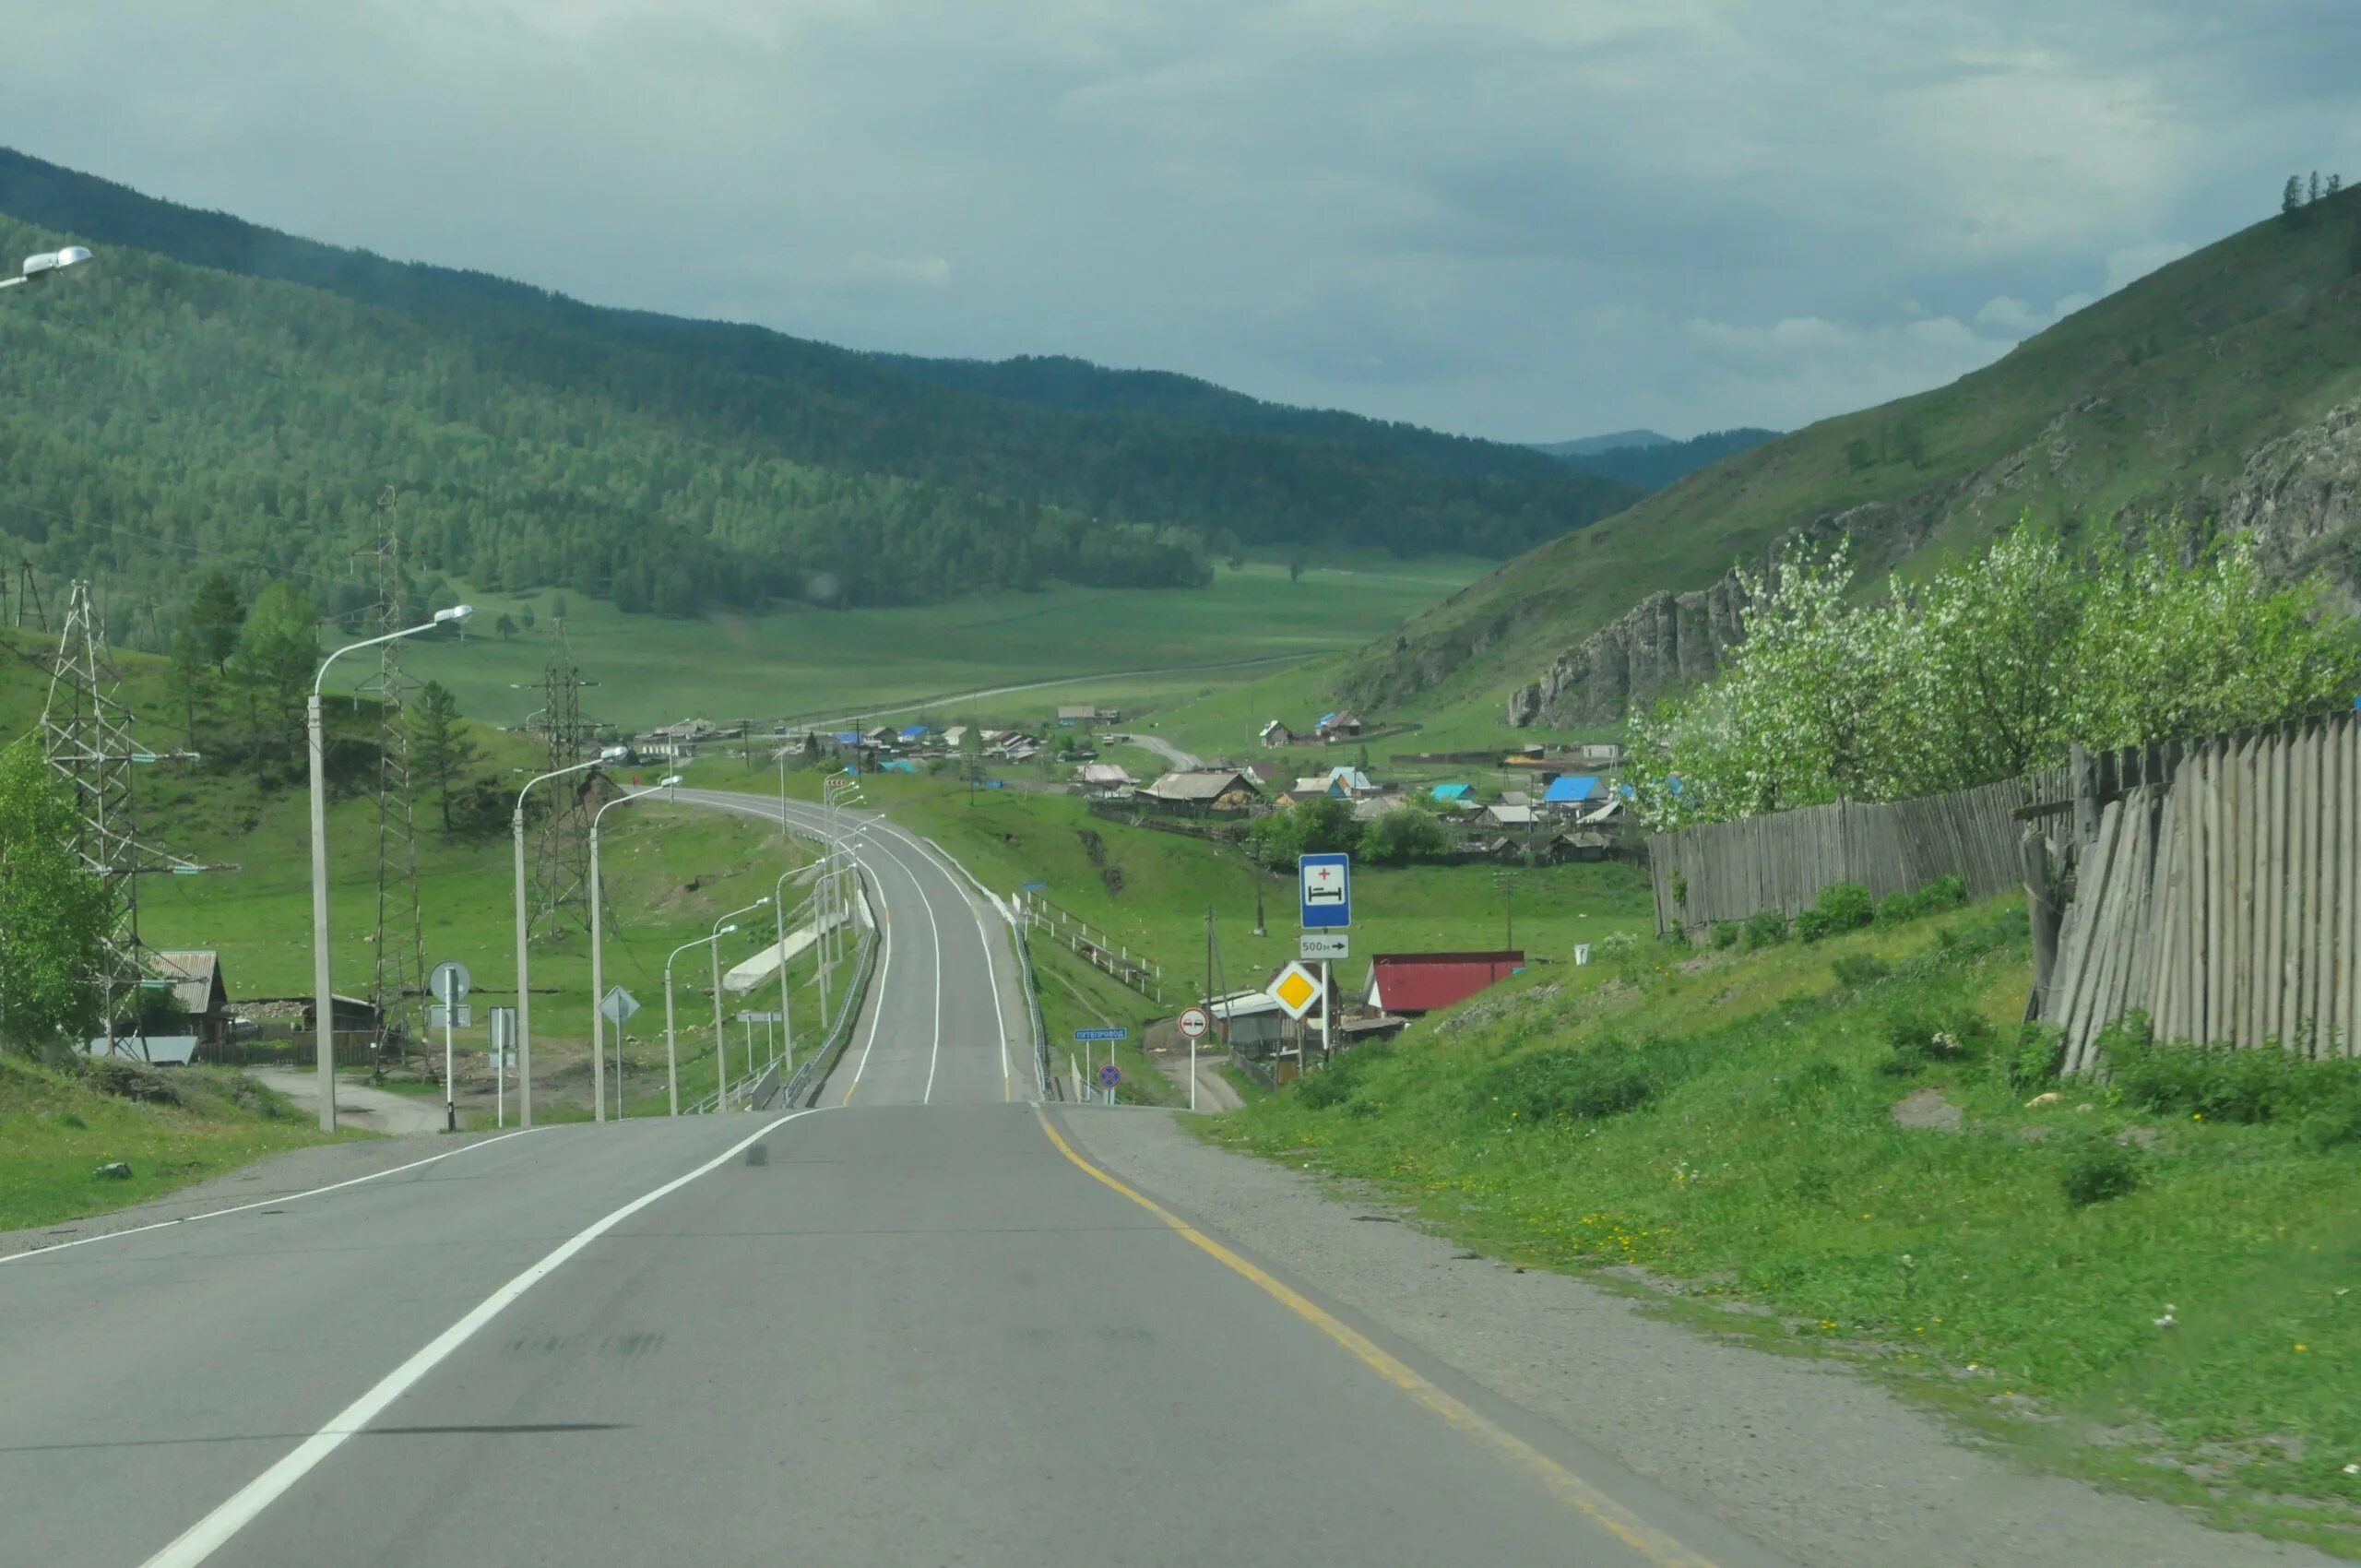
(1992, 667)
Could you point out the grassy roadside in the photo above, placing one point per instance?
(57, 1128)
(1734, 1127)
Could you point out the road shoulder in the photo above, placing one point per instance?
(1804, 1455)
(274, 1176)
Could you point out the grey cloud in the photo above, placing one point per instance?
(1522, 218)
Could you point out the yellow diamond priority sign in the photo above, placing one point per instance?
(1297, 990)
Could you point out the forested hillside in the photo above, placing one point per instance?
(1060, 382)
(1652, 465)
(2222, 386)
(212, 386)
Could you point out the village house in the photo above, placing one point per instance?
(1413, 984)
(1204, 790)
(1105, 777)
(199, 988)
(1573, 793)
(1342, 725)
(1277, 734)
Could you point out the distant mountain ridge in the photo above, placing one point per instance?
(1615, 441)
(2221, 385)
(228, 389)
(1658, 461)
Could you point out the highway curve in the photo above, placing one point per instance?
(913, 1328)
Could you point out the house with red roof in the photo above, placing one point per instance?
(1412, 984)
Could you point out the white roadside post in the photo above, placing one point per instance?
(671, 1052)
(524, 929)
(448, 985)
(598, 967)
(720, 1034)
(317, 745)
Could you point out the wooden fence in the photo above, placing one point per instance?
(2217, 888)
(1730, 871)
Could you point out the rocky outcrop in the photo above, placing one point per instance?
(1668, 642)
(2300, 496)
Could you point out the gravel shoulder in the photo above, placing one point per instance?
(1804, 1455)
(275, 1176)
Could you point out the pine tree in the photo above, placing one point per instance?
(2335, 183)
(2292, 199)
(439, 748)
(2315, 185)
(215, 615)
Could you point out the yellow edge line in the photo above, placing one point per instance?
(1560, 1482)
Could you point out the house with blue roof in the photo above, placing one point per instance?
(1573, 789)
(1452, 794)
(914, 732)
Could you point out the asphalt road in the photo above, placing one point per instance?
(913, 1329)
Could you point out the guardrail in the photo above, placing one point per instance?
(821, 1063)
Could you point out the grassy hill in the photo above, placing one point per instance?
(213, 387)
(2151, 399)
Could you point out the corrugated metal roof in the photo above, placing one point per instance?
(1570, 789)
(1451, 791)
(1421, 982)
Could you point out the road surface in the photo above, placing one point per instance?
(913, 1326)
(357, 1105)
(1181, 760)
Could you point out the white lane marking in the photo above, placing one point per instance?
(209, 1534)
(264, 1203)
(876, 1007)
(992, 970)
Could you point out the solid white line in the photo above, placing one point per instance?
(264, 1203)
(930, 849)
(209, 1534)
(877, 1008)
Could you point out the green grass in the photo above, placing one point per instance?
(1755, 1159)
(56, 1129)
(652, 668)
(2137, 401)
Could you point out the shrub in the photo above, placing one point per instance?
(2039, 1056)
(1854, 971)
(2222, 1083)
(1918, 1036)
(1766, 929)
(1558, 1085)
(1334, 1084)
(1943, 893)
(2333, 1125)
(2099, 1171)
(1843, 905)
(1723, 934)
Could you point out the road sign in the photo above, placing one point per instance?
(1193, 1022)
(449, 982)
(1297, 990)
(1102, 1034)
(1313, 948)
(461, 1017)
(1111, 1074)
(1324, 883)
(618, 1005)
(504, 1030)
(1036, 886)
(772, 1018)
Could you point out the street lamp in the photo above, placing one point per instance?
(323, 999)
(672, 1055)
(598, 967)
(523, 958)
(721, 1040)
(778, 906)
(47, 264)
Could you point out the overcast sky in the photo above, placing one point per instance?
(1522, 219)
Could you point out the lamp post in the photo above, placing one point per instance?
(524, 956)
(598, 967)
(720, 1038)
(323, 998)
(672, 1055)
(47, 264)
